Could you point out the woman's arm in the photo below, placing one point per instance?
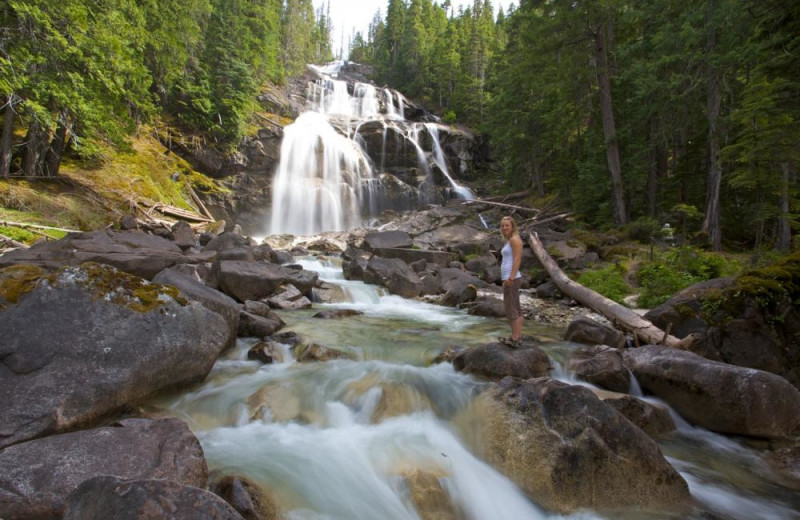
(516, 255)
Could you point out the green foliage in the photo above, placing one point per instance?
(608, 281)
(644, 229)
(679, 268)
(18, 234)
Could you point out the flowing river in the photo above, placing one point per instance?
(341, 440)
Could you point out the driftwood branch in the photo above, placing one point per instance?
(35, 226)
(200, 204)
(619, 314)
(10, 242)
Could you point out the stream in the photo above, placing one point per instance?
(341, 440)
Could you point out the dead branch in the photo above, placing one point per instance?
(26, 225)
(502, 205)
(10, 242)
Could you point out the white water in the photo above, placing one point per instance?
(325, 181)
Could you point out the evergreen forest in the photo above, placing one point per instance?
(624, 112)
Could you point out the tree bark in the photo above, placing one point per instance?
(620, 315)
(601, 37)
(57, 146)
(784, 240)
(34, 150)
(652, 172)
(711, 223)
(8, 134)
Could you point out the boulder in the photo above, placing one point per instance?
(451, 277)
(495, 361)
(337, 314)
(602, 366)
(290, 298)
(248, 498)
(183, 236)
(485, 266)
(37, 476)
(459, 294)
(387, 239)
(395, 275)
(134, 252)
(212, 299)
(489, 307)
(583, 329)
(752, 321)
(253, 325)
(315, 352)
(654, 420)
(105, 497)
(567, 450)
(101, 340)
(255, 280)
(718, 396)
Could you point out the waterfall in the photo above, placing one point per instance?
(325, 179)
(439, 160)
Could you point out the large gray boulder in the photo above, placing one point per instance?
(602, 366)
(387, 239)
(752, 321)
(101, 498)
(395, 275)
(86, 341)
(214, 300)
(568, 450)
(255, 280)
(495, 361)
(134, 252)
(718, 396)
(37, 476)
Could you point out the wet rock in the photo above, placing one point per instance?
(105, 497)
(37, 476)
(252, 501)
(495, 361)
(315, 352)
(337, 314)
(721, 397)
(253, 325)
(395, 275)
(432, 501)
(289, 298)
(653, 419)
(602, 366)
(568, 450)
(448, 354)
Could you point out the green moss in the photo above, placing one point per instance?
(17, 280)
(110, 284)
(608, 281)
(774, 284)
(18, 234)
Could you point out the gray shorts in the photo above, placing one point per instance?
(511, 299)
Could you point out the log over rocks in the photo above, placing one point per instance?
(620, 315)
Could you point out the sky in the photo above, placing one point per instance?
(349, 16)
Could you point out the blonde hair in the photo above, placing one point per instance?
(514, 228)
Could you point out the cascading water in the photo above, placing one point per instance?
(350, 440)
(325, 180)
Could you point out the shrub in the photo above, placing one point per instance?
(679, 268)
(608, 281)
(644, 229)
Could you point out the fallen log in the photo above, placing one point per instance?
(10, 242)
(25, 225)
(618, 314)
(502, 205)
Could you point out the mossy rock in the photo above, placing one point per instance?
(17, 280)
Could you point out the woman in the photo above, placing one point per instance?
(509, 272)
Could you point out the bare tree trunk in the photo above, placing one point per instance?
(601, 37)
(652, 172)
(8, 134)
(784, 240)
(59, 143)
(711, 223)
(34, 150)
(620, 315)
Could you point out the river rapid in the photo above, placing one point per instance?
(342, 440)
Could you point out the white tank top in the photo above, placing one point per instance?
(508, 262)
